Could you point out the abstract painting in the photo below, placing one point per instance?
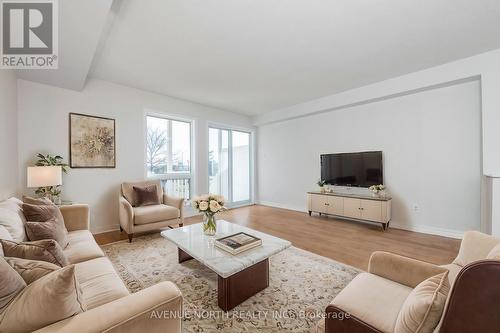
(92, 141)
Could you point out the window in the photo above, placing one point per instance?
(229, 164)
(168, 154)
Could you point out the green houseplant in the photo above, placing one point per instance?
(321, 184)
(52, 192)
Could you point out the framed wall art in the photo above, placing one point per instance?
(92, 141)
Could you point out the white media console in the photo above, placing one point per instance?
(351, 206)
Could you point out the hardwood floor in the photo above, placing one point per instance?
(345, 241)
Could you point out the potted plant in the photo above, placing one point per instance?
(378, 190)
(209, 205)
(321, 184)
(52, 192)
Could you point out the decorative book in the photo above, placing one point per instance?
(237, 243)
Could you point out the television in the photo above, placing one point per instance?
(362, 169)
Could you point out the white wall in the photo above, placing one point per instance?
(8, 134)
(43, 127)
(432, 155)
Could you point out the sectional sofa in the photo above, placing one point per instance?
(110, 306)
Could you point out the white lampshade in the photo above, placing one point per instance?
(42, 176)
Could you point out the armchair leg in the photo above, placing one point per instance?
(130, 236)
(121, 229)
(180, 225)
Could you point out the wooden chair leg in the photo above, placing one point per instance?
(130, 236)
(121, 229)
(180, 225)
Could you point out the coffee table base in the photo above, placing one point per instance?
(238, 287)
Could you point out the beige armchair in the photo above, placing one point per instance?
(374, 299)
(135, 219)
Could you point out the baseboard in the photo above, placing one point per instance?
(104, 228)
(425, 229)
(283, 206)
(416, 228)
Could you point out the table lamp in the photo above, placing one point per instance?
(44, 176)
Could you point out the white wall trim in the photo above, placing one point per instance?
(283, 206)
(425, 229)
(100, 229)
(421, 229)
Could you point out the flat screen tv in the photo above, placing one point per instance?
(362, 169)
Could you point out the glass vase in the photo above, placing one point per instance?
(209, 224)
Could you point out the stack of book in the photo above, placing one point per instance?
(237, 243)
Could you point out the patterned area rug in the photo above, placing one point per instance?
(301, 286)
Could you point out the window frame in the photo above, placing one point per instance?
(178, 175)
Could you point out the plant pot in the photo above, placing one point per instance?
(209, 224)
(322, 189)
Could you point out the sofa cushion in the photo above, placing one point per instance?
(424, 306)
(12, 284)
(156, 213)
(494, 253)
(45, 213)
(99, 282)
(31, 270)
(374, 300)
(12, 218)
(129, 193)
(45, 250)
(82, 246)
(52, 298)
(453, 270)
(475, 246)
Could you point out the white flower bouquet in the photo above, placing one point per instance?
(376, 189)
(209, 205)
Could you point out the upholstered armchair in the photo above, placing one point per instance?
(373, 300)
(135, 218)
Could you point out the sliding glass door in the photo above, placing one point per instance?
(230, 165)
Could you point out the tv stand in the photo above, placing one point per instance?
(351, 206)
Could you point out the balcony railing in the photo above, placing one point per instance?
(178, 187)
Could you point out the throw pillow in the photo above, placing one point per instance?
(37, 201)
(4, 234)
(147, 195)
(424, 306)
(31, 270)
(12, 218)
(12, 284)
(475, 246)
(50, 299)
(494, 253)
(47, 230)
(44, 213)
(45, 250)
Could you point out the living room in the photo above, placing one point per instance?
(250, 166)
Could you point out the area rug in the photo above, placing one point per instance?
(301, 286)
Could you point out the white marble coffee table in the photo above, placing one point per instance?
(240, 276)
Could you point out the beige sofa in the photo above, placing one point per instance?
(110, 307)
(135, 219)
(374, 299)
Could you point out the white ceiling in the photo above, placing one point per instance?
(80, 26)
(255, 56)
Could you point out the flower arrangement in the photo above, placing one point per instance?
(209, 205)
(376, 189)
